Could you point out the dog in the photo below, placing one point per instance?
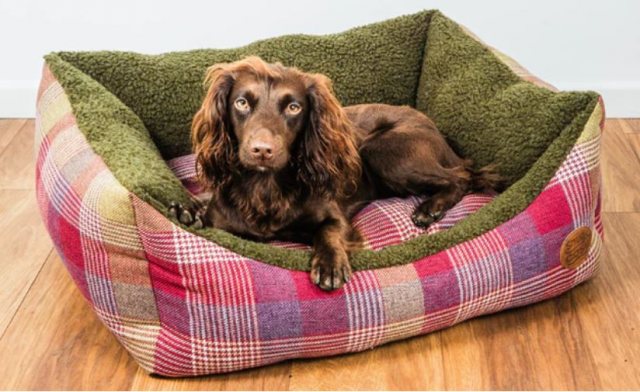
(284, 160)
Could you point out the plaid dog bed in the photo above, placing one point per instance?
(182, 305)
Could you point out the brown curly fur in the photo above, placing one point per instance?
(328, 159)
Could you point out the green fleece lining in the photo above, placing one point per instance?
(166, 90)
(135, 109)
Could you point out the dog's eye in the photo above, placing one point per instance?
(241, 104)
(294, 108)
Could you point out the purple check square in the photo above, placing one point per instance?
(279, 320)
(172, 310)
(324, 316)
(528, 258)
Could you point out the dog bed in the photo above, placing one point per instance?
(112, 147)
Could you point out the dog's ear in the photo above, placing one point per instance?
(211, 134)
(328, 161)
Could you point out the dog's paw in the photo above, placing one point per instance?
(330, 272)
(186, 216)
(423, 216)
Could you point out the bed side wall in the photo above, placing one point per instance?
(89, 217)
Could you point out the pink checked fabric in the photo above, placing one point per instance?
(182, 305)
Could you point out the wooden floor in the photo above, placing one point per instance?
(586, 339)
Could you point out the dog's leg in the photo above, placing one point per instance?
(330, 268)
(434, 208)
(189, 216)
(446, 188)
(410, 157)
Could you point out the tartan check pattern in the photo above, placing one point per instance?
(182, 305)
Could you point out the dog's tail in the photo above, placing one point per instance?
(486, 179)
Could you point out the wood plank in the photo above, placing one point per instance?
(608, 311)
(630, 125)
(413, 364)
(25, 246)
(620, 171)
(56, 341)
(634, 142)
(537, 337)
(8, 129)
(17, 168)
(267, 378)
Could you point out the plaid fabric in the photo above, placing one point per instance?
(182, 305)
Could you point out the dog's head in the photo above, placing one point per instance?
(266, 118)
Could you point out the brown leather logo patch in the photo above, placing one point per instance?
(575, 247)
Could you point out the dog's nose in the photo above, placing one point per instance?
(261, 150)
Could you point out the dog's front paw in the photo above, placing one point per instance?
(426, 214)
(330, 270)
(186, 216)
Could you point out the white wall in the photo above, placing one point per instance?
(589, 44)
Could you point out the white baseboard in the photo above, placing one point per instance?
(621, 102)
(17, 99)
(621, 99)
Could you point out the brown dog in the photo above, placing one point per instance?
(285, 161)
